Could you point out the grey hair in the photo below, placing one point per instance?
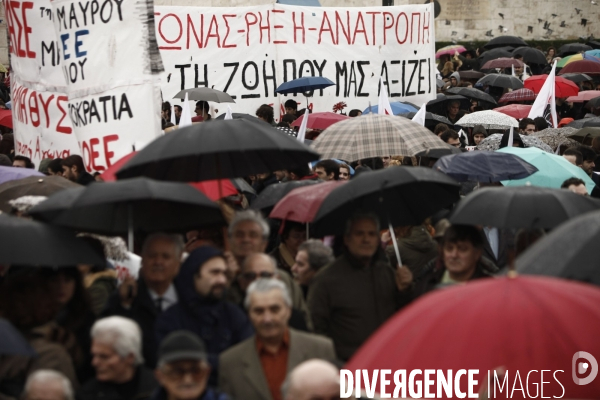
(360, 216)
(44, 376)
(123, 334)
(319, 255)
(264, 285)
(249, 215)
(176, 240)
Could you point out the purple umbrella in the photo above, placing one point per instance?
(12, 173)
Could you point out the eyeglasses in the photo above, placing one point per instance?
(178, 373)
(250, 276)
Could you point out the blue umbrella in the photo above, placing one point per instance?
(12, 341)
(397, 108)
(484, 166)
(593, 53)
(305, 84)
(11, 173)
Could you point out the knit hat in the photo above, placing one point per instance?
(181, 345)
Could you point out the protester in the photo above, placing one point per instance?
(54, 167)
(327, 170)
(202, 111)
(178, 111)
(23, 162)
(265, 113)
(292, 236)
(311, 380)
(540, 123)
(344, 171)
(575, 185)
(479, 133)
(257, 367)
(573, 156)
(452, 111)
(526, 126)
(74, 170)
(291, 108)
(311, 257)
(47, 384)
(451, 137)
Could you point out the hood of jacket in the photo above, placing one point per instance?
(184, 282)
(419, 239)
(457, 76)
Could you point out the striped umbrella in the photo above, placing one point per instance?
(576, 57)
(449, 50)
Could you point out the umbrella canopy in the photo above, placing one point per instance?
(488, 119)
(577, 77)
(521, 324)
(586, 95)
(555, 137)
(531, 55)
(272, 194)
(205, 94)
(429, 117)
(518, 95)
(553, 170)
(492, 143)
(302, 204)
(572, 48)
(595, 102)
(563, 87)
(439, 105)
(8, 174)
(400, 195)
(140, 204)
(493, 54)
(13, 343)
(304, 85)
(576, 57)
(585, 123)
(582, 67)
(474, 94)
(32, 186)
(450, 50)
(6, 118)
(320, 120)
(593, 53)
(581, 134)
(441, 152)
(375, 135)
(517, 111)
(220, 149)
(526, 207)
(505, 40)
(484, 166)
(31, 243)
(470, 74)
(502, 62)
(501, 80)
(574, 258)
(238, 116)
(398, 107)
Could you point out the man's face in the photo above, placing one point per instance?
(301, 269)
(185, 379)
(477, 138)
(48, 390)
(518, 71)
(211, 279)
(453, 109)
(322, 174)
(290, 110)
(588, 166)
(247, 238)
(454, 142)
(198, 110)
(109, 365)
(386, 161)
(529, 129)
(363, 239)
(269, 314)
(55, 173)
(461, 257)
(579, 189)
(344, 174)
(70, 173)
(177, 112)
(19, 164)
(571, 159)
(295, 238)
(453, 81)
(256, 267)
(160, 261)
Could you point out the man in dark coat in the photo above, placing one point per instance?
(74, 170)
(202, 310)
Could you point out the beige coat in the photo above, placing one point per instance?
(240, 370)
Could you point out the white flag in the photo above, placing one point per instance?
(384, 106)
(510, 138)
(302, 130)
(228, 114)
(545, 98)
(173, 117)
(419, 117)
(186, 113)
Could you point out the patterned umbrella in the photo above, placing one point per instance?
(492, 143)
(586, 95)
(555, 137)
(518, 95)
(449, 50)
(503, 62)
(488, 119)
(374, 135)
(584, 123)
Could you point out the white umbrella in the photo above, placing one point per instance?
(489, 119)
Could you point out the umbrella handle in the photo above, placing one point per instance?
(396, 249)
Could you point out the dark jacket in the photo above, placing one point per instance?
(416, 250)
(143, 311)
(349, 301)
(85, 178)
(209, 394)
(506, 242)
(140, 387)
(219, 323)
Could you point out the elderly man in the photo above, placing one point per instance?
(47, 384)
(183, 369)
(312, 256)
(313, 379)
(256, 368)
(359, 291)
(202, 309)
(117, 359)
(153, 292)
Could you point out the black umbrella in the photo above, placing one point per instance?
(273, 193)
(470, 74)
(474, 94)
(439, 105)
(216, 150)
(398, 195)
(122, 207)
(595, 44)
(531, 55)
(584, 133)
(484, 166)
(572, 48)
(493, 54)
(506, 40)
(528, 207)
(577, 77)
(31, 243)
(440, 152)
(585, 123)
(239, 116)
(595, 102)
(32, 186)
(205, 94)
(13, 343)
(570, 251)
(502, 80)
(429, 117)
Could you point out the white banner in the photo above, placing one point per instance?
(249, 51)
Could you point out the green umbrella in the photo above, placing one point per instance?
(553, 169)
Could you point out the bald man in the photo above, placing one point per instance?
(313, 380)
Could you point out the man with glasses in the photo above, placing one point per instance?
(183, 369)
(451, 137)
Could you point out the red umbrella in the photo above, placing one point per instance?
(521, 324)
(563, 87)
(517, 111)
(581, 67)
(209, 188)
(6, 118)
(502, 62)
(320, 120)
(586, 95)
(518, 95)
(302, 204)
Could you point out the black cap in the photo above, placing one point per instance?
(181, 345)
